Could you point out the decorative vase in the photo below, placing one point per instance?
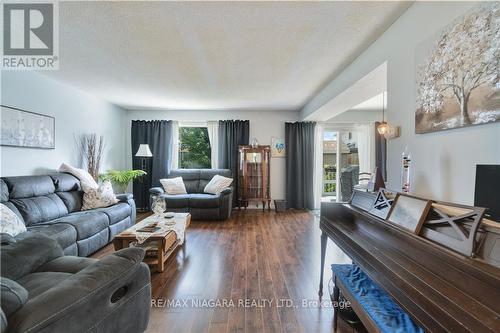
(158, 207)
(255, 143)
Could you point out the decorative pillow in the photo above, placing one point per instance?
(102, 196)
(13, 296)
(217, 184)
(173, 185)
(10, 223)
(84, 177)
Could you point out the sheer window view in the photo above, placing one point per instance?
(194, 148)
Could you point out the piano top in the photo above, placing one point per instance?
(442, 290)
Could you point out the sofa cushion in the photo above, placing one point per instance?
(32, 250)
(6, 239)
(93, 243)
(87, 223)
(64, 234)
(13, 295)
(67, 264)
(39, 282)
(204, 200)
(4, 191)
(13, 208)
(40, 209)
(176, 201)
(83, 175)
(173, 186)
(207, 174)
(73, 200)
(217, 184)
(191, 178)
(10, 223)
(65, 182)
(3, 321)
(29, 186)
(116, 213)
(102, 196)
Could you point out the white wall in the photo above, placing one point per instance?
(444, 162)
(76, 113)
(263, 126)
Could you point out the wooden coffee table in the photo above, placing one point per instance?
(163, 242)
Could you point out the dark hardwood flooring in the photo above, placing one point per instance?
(271, 259)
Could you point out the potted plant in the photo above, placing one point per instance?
(121, 178)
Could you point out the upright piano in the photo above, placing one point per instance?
(440, 288)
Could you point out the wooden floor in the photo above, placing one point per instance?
(257, 272)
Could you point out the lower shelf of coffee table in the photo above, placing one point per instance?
(154, 260)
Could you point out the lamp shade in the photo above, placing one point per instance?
(144, 151)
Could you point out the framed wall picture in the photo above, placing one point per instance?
(277, 147)
(457, 73)
(409, 212)
(20, 128)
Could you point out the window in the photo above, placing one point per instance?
(194, 148)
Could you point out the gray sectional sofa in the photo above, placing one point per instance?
(45, 291)
(51, 205)
(202, 206)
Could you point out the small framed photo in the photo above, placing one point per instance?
(20, 128)
(409, 212)
(277, 147)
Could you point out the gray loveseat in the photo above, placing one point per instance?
(45, 291)
(51, 205)
(202, 206)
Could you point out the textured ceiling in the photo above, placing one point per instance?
(213, 55)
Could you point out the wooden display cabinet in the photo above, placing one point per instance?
(254, 176)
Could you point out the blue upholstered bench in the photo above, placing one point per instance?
(376, 309)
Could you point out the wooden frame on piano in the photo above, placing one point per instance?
(409, 212)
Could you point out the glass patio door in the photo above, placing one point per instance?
(329, 185)
(340, 163)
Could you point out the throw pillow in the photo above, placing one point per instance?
(82, 175)
(10, 223)
(217, 184)
(13, 296)
(173, 185)
(102, 196)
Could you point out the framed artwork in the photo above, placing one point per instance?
(277, 147)
(457, 73)
(409, 212)
(20, 128)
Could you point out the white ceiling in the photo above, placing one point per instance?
(213, 55)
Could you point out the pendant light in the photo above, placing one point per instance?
(383, 128)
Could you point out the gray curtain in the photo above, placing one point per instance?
(158, 135)
(299, 146)
(381, 153)
(232, 133)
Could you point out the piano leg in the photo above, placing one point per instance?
(324, 239)
(336, 294)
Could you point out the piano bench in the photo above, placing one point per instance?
(375, 308)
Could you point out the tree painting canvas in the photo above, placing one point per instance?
(21, 128)
(458, 73)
